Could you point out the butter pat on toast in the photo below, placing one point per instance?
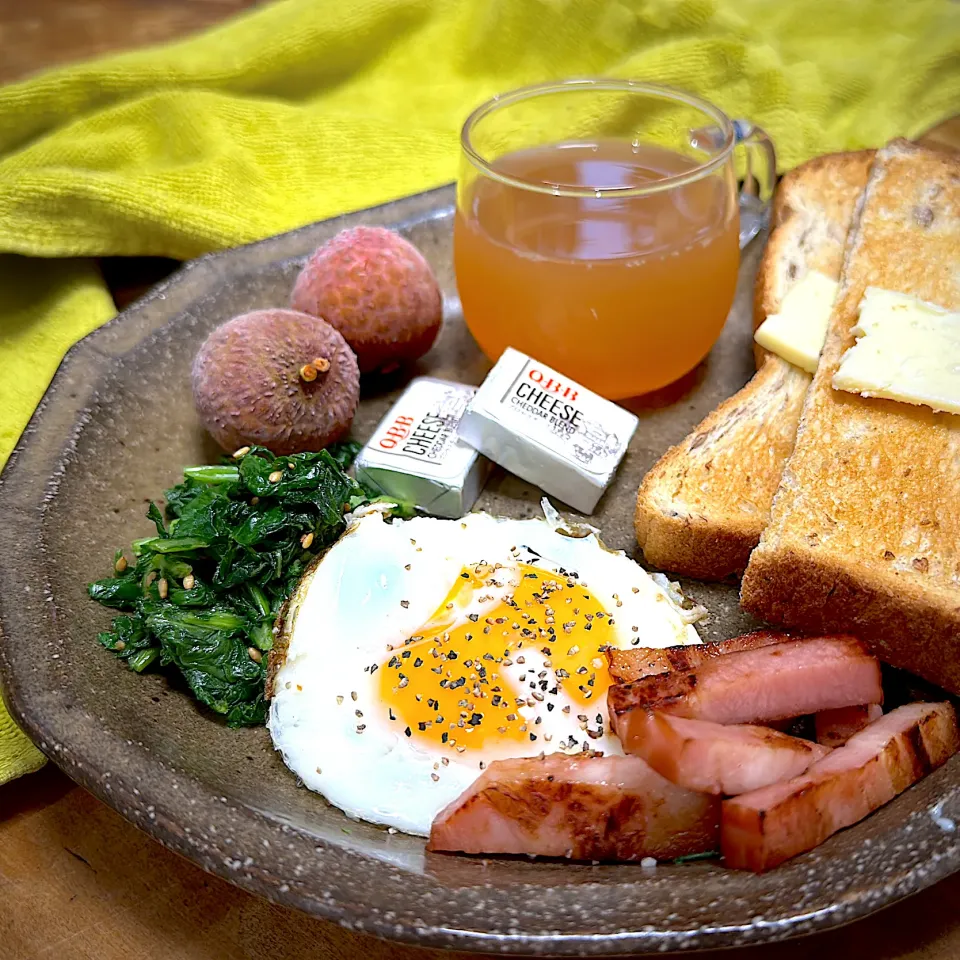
(906, 350)
(702, 507)
(864, 534)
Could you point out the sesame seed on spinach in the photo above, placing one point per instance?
(236, 533)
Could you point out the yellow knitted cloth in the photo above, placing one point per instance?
(307, 108)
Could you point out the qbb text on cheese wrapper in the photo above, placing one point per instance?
(416, 455)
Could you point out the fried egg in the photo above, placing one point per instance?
(419, 651)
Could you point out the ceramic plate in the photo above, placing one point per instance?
(115, 428)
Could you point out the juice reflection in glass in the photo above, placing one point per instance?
(597, 230)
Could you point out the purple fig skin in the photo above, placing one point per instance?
(248, 387)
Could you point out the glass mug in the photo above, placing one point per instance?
(598, 227)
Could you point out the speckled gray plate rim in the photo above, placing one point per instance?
(115, 428)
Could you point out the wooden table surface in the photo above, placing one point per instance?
(76, 880)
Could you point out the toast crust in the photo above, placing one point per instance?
(899, 623)
(865, 528)
(810, 220)
(710, 537)
(702, 507)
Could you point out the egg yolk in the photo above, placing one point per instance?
(447, 685)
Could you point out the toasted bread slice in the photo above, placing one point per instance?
(702, 508)
(812, 213)
(865, 529)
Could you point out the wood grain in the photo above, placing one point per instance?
(35, 34)
(78, 882)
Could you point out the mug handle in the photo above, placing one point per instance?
(760, 179)
(761, 172)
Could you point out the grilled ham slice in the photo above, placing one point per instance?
(718, 759)
(763, 828)
(585, 808)
(836, 727)
(637, 662)
(755, 686)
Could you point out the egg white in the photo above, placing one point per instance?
(381, 582)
